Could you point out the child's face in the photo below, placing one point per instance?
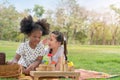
(53, 43)
(35, 37)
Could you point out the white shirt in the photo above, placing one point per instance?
(29, 55)
(59, 53)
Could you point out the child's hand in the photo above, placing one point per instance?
(11, 62)
(26, 71)
(31, 67)
(45, 41)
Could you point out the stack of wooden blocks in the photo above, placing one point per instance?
(45, 67)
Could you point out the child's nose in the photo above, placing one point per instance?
(37, 39)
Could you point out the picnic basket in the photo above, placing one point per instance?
(13, 70)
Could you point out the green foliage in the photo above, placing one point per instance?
(81, 37)
(8, 22)
(117, 10)
(38, 10)
(20, 38)
(70, 18)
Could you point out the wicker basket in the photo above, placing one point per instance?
(2, 58)
(13, 70)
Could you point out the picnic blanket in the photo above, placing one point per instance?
(84, 75)
(88, 74)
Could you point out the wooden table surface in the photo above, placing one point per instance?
(38, 74)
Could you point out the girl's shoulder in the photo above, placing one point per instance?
(60, 51)
(24, 44)
(61, 48)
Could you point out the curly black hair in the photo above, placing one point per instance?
(27, 26)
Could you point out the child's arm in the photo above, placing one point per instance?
(35, 64)
(15, 60)
(59, 63)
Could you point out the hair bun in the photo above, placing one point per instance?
(26, 24)
(45, 26)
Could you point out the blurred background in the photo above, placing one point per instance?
(82, 21)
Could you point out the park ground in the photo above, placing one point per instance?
(101, 58)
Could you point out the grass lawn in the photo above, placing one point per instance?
(100, 58)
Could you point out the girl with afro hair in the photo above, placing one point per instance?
(30, 53)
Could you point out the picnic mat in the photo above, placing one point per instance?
(88, 74)
(23, 77)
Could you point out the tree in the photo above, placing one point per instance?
(38, 10)
(70, 17)
(8, 22)
(116, 27)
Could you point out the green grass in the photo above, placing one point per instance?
(100, 58)
(9, 48)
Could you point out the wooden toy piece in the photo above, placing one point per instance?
(71, 68)
(65, 67)
(51, 67)
(42, 67)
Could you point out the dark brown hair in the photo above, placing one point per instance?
(27, 26)
(60, 38)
